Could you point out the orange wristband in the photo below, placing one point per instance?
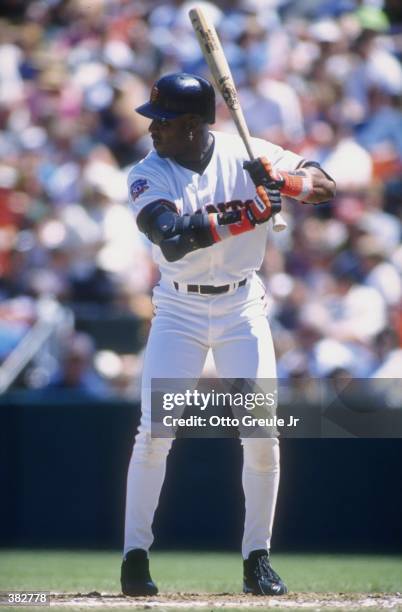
(221, 232)
(298, 186)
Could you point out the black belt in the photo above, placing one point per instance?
(211, 289)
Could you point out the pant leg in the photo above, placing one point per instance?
(145, 478)
(171, 353)
(246, 351)
(260, 480)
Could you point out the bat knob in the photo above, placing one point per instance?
(279, 223)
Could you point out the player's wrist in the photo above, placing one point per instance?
(231, 223)
(297, 185)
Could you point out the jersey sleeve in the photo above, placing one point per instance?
(281, 159)
(145, 185)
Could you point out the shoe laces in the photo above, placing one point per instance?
(263, 569)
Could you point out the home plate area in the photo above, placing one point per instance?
(293, 601)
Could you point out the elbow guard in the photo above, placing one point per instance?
(191, 232)
(157, 220)
(176, 235)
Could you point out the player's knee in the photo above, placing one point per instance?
(261, 455)
(150, 450)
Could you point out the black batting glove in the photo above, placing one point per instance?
(266, 203)
(261, 173)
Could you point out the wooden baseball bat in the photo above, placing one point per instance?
(222, 75)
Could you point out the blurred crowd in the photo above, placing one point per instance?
(321, 77)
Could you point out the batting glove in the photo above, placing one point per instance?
(266, 203)
(262, 173)
(297, 185)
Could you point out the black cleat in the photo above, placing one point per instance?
(136, 580)
(259, 577)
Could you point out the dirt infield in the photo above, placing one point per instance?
(293, 601)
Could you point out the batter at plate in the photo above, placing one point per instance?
(206, 211)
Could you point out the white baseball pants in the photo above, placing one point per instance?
(234, 325)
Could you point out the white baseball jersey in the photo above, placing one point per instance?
(223, 184)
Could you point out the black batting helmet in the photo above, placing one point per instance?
(178, 94)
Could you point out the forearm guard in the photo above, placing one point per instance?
(176, 235)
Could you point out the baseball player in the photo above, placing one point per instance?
(206, 210)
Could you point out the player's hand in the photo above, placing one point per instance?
(266, 203)
(262, 173)
(297, 184)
